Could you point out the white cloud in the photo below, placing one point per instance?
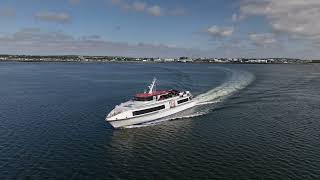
(154, 10)
(37, 41)
(7, 12)
(220, 31)
(139, 6)
(298, 18)
(58, 17)
(91, 37)
(237, 17)
(263, 39)
(151, 9)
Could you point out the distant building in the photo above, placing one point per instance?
(158, 60)
(168, 60)
(257, 61)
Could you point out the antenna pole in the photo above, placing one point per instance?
(152, 85)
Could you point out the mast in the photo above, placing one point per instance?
(152, 85)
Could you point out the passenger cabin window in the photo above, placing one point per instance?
(183, 100)
(144, 111)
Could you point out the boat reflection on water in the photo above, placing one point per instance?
(128, 141)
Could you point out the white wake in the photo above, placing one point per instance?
(236, 81)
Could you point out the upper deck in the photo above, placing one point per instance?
(156, 95)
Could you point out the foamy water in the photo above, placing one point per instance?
(237, 80)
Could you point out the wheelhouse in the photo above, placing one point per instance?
(156, 95)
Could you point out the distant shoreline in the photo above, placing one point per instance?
(120, 59)
(140, 62)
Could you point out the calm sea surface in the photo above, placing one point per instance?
(256, 122)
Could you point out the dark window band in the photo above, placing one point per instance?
(135, 113)
(183, 100)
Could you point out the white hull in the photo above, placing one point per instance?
(150, 117)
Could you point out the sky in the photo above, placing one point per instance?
(166, 28)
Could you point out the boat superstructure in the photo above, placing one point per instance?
(149, 106)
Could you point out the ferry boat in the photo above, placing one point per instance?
(149, 106)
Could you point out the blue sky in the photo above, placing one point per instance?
(167, 28)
